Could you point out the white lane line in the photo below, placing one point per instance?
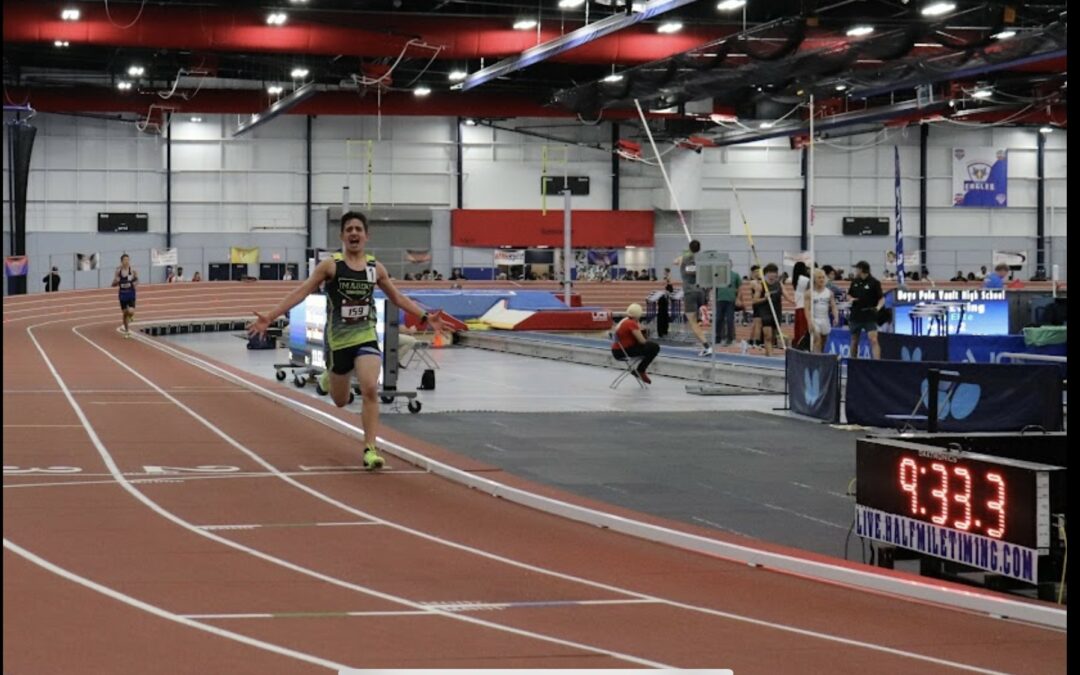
(819, 490)
(308, 615)
(125, 403)
(800, 514)
(165, 614)
(184, 479)
(461, 606)
(282, 525)
(718, 526)
(172, 517)
(318, 414)
(495, 447)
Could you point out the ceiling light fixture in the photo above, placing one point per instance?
(299, 73)
(298, 2)
(524, 24)
(70, 14)
(276, 18)
(614, 77)
(730, 5)
(765, 125)
(938, 8)
(981, 93)
(123, 85)
(457, 75)
(1046, 130)
(136, 71)
(841, 87)
(274, 89)
(570, 4)
(470, 122)
(670, 27)
(421, 91)
(1005, 35)
(61, 43)
(196, 119)
(859, 31)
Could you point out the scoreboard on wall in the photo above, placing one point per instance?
(989, 513)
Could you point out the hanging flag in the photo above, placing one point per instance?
(163, 257)
(899, 223)
(85, 262)
(15, 266)
(239, 255)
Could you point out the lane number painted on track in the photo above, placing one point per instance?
(206, 468)
(17, 471)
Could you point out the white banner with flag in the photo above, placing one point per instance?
(980, 177)
(510, 257)
(162, 257)
(1014, 259)
(85, 262)
(909, 259)
(792, 257)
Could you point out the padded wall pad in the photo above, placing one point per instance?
(567, 319)
(500, 316)
(534, 300)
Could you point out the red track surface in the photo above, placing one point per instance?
(82, 550)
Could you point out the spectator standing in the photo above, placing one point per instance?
(52, 280)
(867, 300)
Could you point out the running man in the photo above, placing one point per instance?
(125, 278)
(350, 276)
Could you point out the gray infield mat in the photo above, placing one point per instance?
(779, 479)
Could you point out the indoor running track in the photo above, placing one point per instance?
(293, 562)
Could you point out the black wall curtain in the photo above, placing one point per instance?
(21, 143)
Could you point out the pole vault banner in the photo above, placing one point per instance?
(980, 177)
(813, 384)
(987, 397)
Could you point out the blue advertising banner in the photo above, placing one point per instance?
(896, 347)
(988, 397)
(839, 344)
(813, 384)
(988, 348)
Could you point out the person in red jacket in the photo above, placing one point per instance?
(628, 335)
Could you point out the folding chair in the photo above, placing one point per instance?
(631, 362)
(420, 351)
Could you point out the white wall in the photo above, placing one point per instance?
(250, 191)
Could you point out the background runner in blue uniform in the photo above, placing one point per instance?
(125, 279)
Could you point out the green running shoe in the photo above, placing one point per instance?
(372, 461)
(324, 381)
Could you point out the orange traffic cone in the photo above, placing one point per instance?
(438, 341)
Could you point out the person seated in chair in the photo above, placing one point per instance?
(629, 337)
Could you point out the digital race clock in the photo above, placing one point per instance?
(991, 513)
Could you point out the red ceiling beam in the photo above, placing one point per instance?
(372, 35)
(212, 29)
